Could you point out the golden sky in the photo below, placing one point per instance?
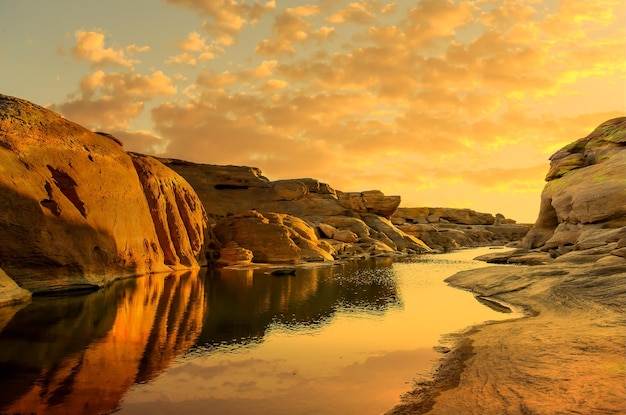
(446, 103)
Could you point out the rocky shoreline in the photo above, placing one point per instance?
(78, 212)
(568, 355)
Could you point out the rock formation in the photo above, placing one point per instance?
(443, 229)
(582, 216)
(585, 194)
(247, 208)
(74, 212)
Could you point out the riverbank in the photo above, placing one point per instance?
(567, 356)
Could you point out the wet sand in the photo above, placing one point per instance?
(567, 356)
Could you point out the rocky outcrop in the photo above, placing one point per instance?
(582, 217)
(339, 224)
(583, 204)
(177, 213)
(443, 229)
(372, 201)
(73, 208)
(273, 237)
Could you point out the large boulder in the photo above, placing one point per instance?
(584, 201)
(272, 237)
(73, 210)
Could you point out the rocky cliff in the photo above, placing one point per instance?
(77, 211)
(584, 200)
(296, 220)
(582, 216)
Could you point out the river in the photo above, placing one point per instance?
(346, 339)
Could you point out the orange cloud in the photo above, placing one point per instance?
(440, 101)
(90, 47)
(111, 100)
(226, 17)
(358, 13)
(290, 28)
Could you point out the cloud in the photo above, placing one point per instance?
(110, 100)
(432, 21)
(291, 28)
(90, 47)
(358, 13)
(440, 101)
(195, 49)
(226, 17)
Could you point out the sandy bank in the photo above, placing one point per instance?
(567, 357)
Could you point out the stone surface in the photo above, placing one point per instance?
(233, 254)
(372, 201)
(177, 212)
(584, 199)
(10, 292)
(272, 238)
(73, 213)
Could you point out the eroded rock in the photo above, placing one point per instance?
(73, 213)
(584, 201)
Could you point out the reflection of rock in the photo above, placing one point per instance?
(446, 228)
(90, 349)
(74, 213)
(243, 303)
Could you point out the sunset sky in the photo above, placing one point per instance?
(446, 103)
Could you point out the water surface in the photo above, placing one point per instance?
(347, 339)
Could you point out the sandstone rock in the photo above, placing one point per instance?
(179, 218)
(73, 213)
(233, 254)
(450, 215)
(402, 241)
(230, 190)
(270, 238)
(327, 230)
(10, 292)
(586, 191)
(352, 224)
(290, 189)
(373, 201)
(346, 236)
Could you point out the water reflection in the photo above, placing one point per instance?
(80, 354)
(244, 303)
(71, 355)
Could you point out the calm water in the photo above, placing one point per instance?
(346, 339)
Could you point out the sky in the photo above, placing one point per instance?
(445, 103)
